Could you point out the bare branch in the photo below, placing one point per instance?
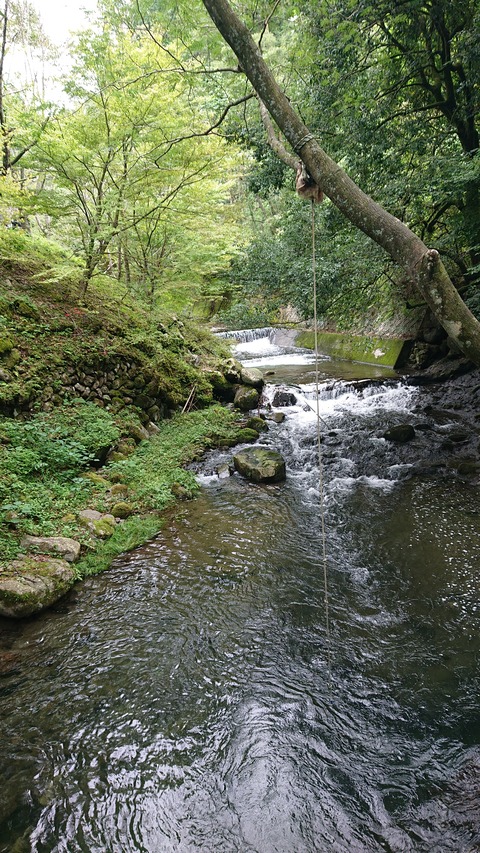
(267, 21)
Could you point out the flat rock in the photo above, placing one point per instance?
(30, 585)
(69, 549)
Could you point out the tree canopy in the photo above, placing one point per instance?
(158, 170)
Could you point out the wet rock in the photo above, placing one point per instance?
(30, 585)
(283, 398)
(246, 398)
(469, 468)
(441, 371)
(69, 549)
(458, 436)
(400, 433)
(224, 471)
(252, 376)
(257, 423)
(260, 465)
(276, 417)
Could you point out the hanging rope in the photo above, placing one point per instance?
(319, 452)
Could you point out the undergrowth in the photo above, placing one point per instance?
(44, 479)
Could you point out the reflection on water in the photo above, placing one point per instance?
(181, 701)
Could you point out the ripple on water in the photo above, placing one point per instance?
(183, 702)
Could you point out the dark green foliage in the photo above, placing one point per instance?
(58, 444)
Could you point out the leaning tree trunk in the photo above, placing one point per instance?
(422, 265)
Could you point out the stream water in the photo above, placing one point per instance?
(182, 701)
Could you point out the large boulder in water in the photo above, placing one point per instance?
(282, 397)
(246, 398)
(260, 465)
(30, 585)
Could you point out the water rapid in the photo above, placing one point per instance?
(182, 700)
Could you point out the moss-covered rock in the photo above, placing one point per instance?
(30, 585)
(180, 492)
(257, 424)
(119, 490)
(11, 358)
(97, 479)
(246, 398)
(104, 527)
(24, 308)
(232, 370)
(122, 509)
(389, 352)
(260, 465)
(6, 345)
(222, 388)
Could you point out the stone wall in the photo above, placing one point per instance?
(113, 384)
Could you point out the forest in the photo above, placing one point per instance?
(153, 166)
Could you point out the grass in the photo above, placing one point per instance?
(45, 481)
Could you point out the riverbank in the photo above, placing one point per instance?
(103, 400)
(103, 512)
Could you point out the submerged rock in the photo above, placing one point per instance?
(30, 585)
(260, 465)
(400, 433)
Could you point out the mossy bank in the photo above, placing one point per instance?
(103, 401)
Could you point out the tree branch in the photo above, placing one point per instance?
(209, 130)
(275, 143)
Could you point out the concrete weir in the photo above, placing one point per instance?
(388, 352)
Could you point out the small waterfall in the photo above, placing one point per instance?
(246, 335)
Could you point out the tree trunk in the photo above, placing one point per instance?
(422, 265)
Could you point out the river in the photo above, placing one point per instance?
(183, 701)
